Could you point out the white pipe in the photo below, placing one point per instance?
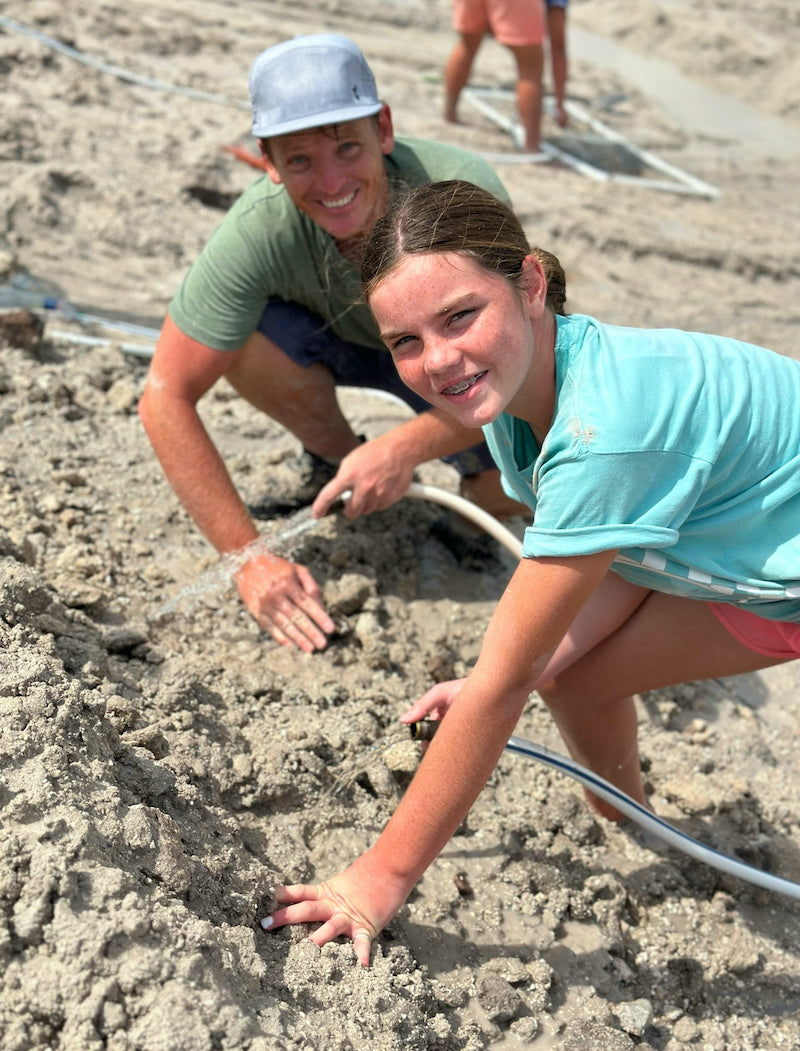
(464, 507)
(684, 182)
(696, 185)
(116, 71)
(137, 349)
(469, 510)
(426, 728)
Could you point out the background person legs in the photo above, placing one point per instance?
(457, 71)
(518, 25)
(557, 37)
(530, 60)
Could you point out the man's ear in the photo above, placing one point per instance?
(386, 129)
(534, 284)
(269, 167)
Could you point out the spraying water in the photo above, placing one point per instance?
(279, 538)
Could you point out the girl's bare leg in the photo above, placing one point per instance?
(665, 640)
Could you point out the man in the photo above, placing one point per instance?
(273, 304)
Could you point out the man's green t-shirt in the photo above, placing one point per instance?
(265, 248)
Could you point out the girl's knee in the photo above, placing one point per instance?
(557, 696)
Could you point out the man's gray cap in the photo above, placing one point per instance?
(308, 82)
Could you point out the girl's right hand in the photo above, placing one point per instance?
(358, 903)
(435, 702)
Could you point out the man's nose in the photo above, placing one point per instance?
(330, 177)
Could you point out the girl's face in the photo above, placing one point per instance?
(461, 336)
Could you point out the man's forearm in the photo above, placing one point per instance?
(197, 474)
(432, 435)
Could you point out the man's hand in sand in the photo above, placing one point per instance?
(285, 600)
(358, 903)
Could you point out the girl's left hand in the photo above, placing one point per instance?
(434, 703)
(358, 903)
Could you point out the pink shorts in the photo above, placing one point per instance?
(515, 23)
(772, 638)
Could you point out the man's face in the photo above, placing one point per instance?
(336, 174)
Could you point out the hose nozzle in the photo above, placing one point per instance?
(424, 729)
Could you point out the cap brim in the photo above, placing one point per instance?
(316, 120)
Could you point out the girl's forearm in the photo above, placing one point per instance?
(535, 611)
(456, 766)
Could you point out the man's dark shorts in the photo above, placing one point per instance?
(304, 337)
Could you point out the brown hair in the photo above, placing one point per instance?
(456, 216)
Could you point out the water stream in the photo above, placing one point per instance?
(279, 538)
(348, 773)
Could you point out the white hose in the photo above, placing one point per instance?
(469, 510)
(464, 507)
(116, 71)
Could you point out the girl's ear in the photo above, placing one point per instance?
(534, 285)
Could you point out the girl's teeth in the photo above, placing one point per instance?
(459, 388)
(462, 385)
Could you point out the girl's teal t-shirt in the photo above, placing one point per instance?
(682, 450)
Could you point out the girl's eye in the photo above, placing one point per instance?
(460, 315)
(398, 344)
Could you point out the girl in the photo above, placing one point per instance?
(663, 472)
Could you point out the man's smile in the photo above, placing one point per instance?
(340, 202)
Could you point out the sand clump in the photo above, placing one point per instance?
(164, 764)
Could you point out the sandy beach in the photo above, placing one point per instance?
(163, 763)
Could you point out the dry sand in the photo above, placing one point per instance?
(163, 764)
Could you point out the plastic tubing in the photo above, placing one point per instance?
(425, 729)
(469, 510)
(650, 821)
(115, 71)
(464, 507)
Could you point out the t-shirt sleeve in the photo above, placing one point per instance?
(608, 501)
(219, 303)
